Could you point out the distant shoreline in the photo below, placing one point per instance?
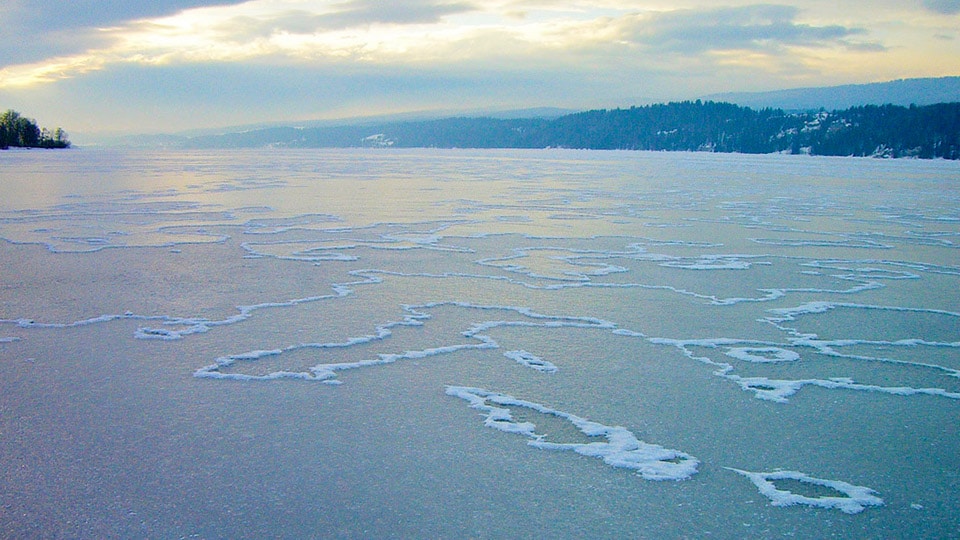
(891, 131)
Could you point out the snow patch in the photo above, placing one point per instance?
(762, 355)
(621, 449)
(854, 500)
(531, 361)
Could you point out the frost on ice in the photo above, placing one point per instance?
(853, 498)
(621, 449)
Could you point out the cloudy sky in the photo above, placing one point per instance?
(95, 66)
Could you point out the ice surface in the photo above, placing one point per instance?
(759, 309)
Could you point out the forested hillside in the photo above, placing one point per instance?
(931, 131)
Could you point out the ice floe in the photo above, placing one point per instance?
(790, 314)
(531, 361)
(621, 449)
(779, 389)
(846, 243)
(711, 262)
(851, 499)
(476, 336)
(762, 354)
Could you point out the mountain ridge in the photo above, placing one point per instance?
(904, 92)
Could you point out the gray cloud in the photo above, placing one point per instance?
(362, 12)
(52, 15)
(756, 27)
(946, 7)
(31, 30)
(345, 15)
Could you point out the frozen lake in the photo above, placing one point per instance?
(477, 344)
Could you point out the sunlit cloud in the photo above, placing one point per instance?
(431, 31)
(52, 70)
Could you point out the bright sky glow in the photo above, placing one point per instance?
(178, 64)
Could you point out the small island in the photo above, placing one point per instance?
(20, 132)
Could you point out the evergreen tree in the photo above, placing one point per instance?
(16, 130)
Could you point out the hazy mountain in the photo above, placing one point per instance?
(532, 127)
(900, 92)
(236, 133)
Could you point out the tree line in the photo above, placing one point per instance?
(18, 131)
(886, 131)
(931, 131)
